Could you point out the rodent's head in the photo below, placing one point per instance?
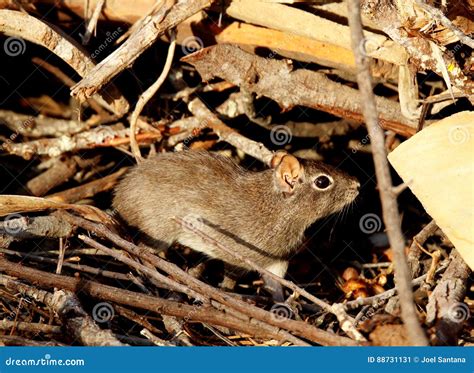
(317, 189)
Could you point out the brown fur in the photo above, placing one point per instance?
(243, 210)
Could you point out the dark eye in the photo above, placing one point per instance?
(322, 182)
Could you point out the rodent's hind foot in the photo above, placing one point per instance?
(274, 288)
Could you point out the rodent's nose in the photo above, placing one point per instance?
(356, 185)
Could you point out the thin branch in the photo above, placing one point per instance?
(376, 299)
(103, 136)
(303, 329)
(79, 267)
(147, 95)
(59, 172)
(66, 305)
(92, 23)
(414, 252)
(344, 320)
(39, 126)
(138, 24)
(146, 302)
(88, 190)
(446, 22)
(11, 340)
(29, 327)
(208, 119)
(162, 280)
(66, 80)
(391, 216)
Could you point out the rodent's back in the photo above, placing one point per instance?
(180, 184)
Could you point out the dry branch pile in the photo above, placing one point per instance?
(89, 88)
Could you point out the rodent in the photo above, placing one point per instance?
(263, 214)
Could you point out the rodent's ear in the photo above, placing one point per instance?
(277, 157)
(288, 171)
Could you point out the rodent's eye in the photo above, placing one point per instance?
(323, 182)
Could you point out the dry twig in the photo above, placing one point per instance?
(88, 190)
(389, 203)
(414, 252)
(445, 306)
(210, 120)
(103, 136)
(68, 308)
(338, 310)
(146, 96)
(151, 303)
(160, 22)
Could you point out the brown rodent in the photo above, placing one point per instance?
(263, 215)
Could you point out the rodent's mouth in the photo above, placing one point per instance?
(353, 195)
(355, 189)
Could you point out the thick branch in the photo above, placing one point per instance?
(88, 190)
(277, 80)
(126, 297)
(129, 51)
(103, 136)
(66, 305)
(29, 28)
(32, 126)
